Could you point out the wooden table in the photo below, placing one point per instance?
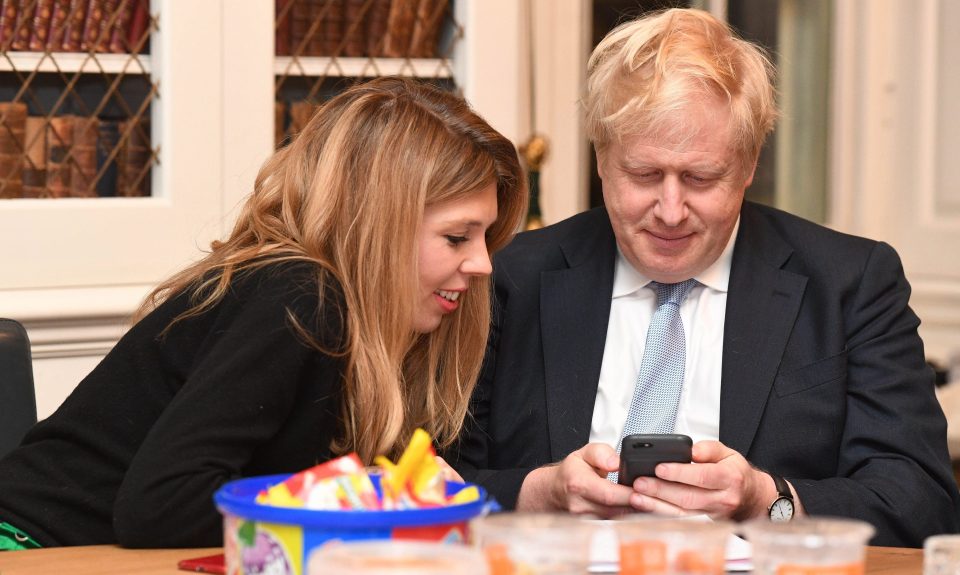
(110, 560)
(97, 559)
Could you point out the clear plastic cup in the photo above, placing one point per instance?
(533, 543)
(653, 545)
(941, 555)
(808, 546)
(396, 557)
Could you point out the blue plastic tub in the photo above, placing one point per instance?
(267, 539)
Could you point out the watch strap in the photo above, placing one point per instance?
(783, 489)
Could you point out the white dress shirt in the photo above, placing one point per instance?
(702, 313)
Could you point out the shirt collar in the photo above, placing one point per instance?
(627, 280)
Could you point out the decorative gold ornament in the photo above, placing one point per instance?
(534, 153)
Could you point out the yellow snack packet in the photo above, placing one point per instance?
(279, 496)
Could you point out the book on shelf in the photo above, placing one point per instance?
(396, 43)
(59, 144)
(40, 28)
(139, 30)
(355, 27)
(282, 24)
(377, 16)
(13, 117)
(73, 30)
(108, 142)
(134, 158)
(21, 33)
(332, 27)
(299, 26)
(8, 22)
(101, 42)
(316, 27)
(72, 156)
(316, 12)
(426, 28)
(83, 158)
(115, 26)
(58, 25)
(119, 43)
(89, 40)
(34, 162)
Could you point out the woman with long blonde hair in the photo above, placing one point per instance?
(349, 305)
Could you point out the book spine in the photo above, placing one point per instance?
(59, 142)
(35, 157)
(58, 25)
(315, 15)
(108, 141)
(355, 27)
(83, 164)
(121, 25)
(101, 42)
(8, 22)
(41, 25)
(332, 27)
(91, 26)
(21, 34)
(13, 117)
(133, 168)
(377, 17)
(426, 28)
(138, 33)
(396, 44)
(283, 8)
(299, 24)
(73, 32)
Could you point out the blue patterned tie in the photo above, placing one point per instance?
(653, 408)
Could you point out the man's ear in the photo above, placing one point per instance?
(750, 170)
(601, 156)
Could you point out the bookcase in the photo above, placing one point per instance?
(74, 269)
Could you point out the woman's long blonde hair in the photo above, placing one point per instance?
(348, 194)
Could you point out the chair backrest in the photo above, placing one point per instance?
(18, 402)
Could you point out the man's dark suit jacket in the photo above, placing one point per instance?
(823, 381)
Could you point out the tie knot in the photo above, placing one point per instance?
(672, 293)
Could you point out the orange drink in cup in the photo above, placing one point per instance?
(808, 546)
(533, 543)
(653, 545)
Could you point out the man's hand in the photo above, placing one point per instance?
(577, 484)
(720, 483)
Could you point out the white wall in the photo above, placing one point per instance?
(896, 142)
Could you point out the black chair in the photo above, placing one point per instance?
(18, 402)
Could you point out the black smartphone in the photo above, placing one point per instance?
(640, 453)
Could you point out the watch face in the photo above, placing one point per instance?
(781, 510)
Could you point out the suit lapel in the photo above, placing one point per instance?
(762, 305)
(574, 312)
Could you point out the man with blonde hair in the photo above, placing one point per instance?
(787, 351)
